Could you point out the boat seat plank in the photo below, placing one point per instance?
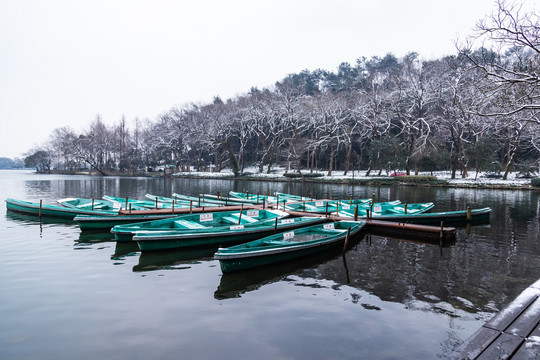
(233, 219)
(475, 344)
(502, 348)
(189, 224)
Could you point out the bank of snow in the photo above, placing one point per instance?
(481, 180)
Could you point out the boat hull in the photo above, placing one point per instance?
(106, 223)
(31, 208)
(231, 262)
(220, 237)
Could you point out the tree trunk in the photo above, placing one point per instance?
(232, 158)
(331, 159)
(348, 159)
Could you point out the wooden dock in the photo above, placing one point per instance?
(514, 333)
(415, 231)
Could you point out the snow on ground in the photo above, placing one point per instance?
(278, 174)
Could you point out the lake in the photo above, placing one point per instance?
(67, 295)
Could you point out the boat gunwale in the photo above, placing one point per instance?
(269, 225)
(281, 249)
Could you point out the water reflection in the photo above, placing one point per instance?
(233, 285)
(95, 237)
(125, 248)
(177, 259)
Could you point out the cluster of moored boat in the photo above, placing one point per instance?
(269, 228)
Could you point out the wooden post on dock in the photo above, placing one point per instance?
(304, 205)
(190, 206)
(405, 208)
(92, 204)
(277, 201)
(126, 203)
(469, 214)
(326, 211)
(173, 207)
(367, 213)
(350, 201)
(129, 209)
(356, 213)
(275, 227)
(264, 202)
(257, 198)
(40, 206)
(284, 201)
(372, 199)
(156, 203)
(346, 239)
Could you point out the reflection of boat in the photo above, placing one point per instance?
(40, 209)
(289, 245)
(203, 222)
(95, 237)
(221, 236)
(32, 219)
(233, 285)
(125, 248)
(171, 258)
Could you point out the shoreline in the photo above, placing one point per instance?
(411, 180)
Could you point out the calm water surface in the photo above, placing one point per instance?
(67, 295)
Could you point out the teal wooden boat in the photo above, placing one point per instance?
(126, 203)
(268, 199)
(331, 206)
(286, 246)
(384, 209)
(93, 204)
(205, 221)
(40, 209)
(219, 236)
(472, 216)
(106, 223)
(181, 201)
(211, 200)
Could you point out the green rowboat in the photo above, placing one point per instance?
(106, 223)
(181, 201)
(202, 221)
(40, 209)
(379, 210)
(286, 246)
(219, 236)
(331, 206)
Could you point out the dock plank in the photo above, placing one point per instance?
(502, 348)
(475, 344)
(530, 349)
(513, 333)
(507, 315)
(527, 321)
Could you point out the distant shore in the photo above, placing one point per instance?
(438, 179)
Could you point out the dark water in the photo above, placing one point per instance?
(67, 295)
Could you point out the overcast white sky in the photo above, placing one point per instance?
(64, 62)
